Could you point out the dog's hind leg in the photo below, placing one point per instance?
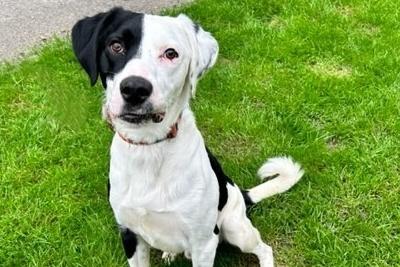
(238, 230)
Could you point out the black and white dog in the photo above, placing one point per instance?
(167, 190)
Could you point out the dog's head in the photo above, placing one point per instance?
(149, 65)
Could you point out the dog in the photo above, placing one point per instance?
(166, 189)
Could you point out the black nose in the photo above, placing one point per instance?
(135, 90)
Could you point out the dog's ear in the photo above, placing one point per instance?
(85, 41)
(204, 49)
(85, 44)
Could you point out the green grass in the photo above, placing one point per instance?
(318, 80)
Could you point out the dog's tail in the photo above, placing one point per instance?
(281, 174)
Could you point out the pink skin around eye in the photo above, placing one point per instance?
(162, 54)
(163, 58)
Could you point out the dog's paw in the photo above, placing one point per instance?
(168, 257)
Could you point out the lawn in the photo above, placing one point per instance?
(315, 79)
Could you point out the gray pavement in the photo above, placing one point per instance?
(26, 23)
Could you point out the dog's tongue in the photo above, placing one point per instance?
(158, 117)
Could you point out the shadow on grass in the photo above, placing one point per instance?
(227, 255)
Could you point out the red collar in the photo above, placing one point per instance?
(171, 134)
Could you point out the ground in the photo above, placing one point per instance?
(318, 80)
(28, 23)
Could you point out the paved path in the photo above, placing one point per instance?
(25, 23)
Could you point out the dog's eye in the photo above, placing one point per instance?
(117, 48)
(170, 53)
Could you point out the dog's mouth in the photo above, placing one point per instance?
(140, 118)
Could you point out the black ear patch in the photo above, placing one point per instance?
(89, 37)
(85, 34)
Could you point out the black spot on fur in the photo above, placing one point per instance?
(270, 177)
(129, 241)
(216, 230)
(223, 180)
(247, 199)
(196, 27)
(108, 188)
(92, 36)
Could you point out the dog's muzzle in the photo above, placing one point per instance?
(135, 91)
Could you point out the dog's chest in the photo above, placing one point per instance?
(161, 227)
(158, 198)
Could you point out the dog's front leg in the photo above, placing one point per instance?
(203, 251)
(136, 249)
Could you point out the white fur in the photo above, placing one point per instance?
(288, 171)
(167, 193)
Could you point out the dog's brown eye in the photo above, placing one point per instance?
(117, 48)
(170, 54)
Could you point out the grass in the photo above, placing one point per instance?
(318, 80)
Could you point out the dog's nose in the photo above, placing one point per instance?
(135, 90)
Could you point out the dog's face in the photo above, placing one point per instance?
(148, 64)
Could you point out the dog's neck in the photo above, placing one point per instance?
(187, 137)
